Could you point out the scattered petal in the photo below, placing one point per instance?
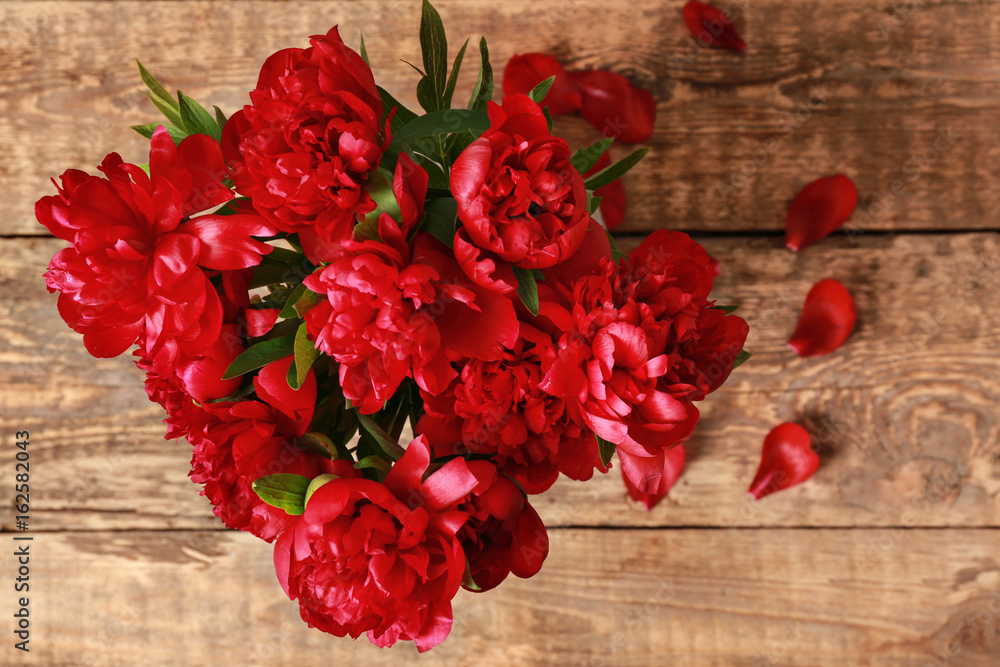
(786, 460)
(819, 209)
(614, 106)
(827, 319)
(712, 27)
(527, 70)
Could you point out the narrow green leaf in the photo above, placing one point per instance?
(615, 171)
(260, 355)
(155, 87)
(305, 355)
(169, 112)
(388, 445)
(373, 462)
(402, 117)
(364, 51)
(527, 289)
(434, 124)
(585, 158)
(593, 203)
(301, 298)
(434, 50)
(316, 443)
(196, 120)
(439, 219)
(483, 92)
(285, 256)
(449, 90)
(606, 450)
(148, 129)
(284, 491)
(728, 309)
(539, 92)
(220, 117)
(741, 358)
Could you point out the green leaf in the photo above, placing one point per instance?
(300, 300)
(434, 50)
(728, 309)
(741, 358)
(169, 112)
(448, 121)
(606, 450)
(374, 462)
(539, 92)
(585, 158)
(220, 117)
(402, 117)
(285, 256)
(527, 289)
(156, 88)
(388, 445)
(467, 580)
(483, 92)
(615, 171)
(364, 51)
(305, 355)
(449, 90)
(316, 443)
(593, 203)
(196, 120)
(284, 491)
(260, 355)
(148, 129)
(439, 219)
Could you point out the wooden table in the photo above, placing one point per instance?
(890, 555)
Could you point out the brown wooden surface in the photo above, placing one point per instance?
(890, 555)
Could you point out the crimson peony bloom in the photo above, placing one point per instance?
(518, 196)
(614, 106)
(305, 145)
(527, 70)
(827, 319)
(787, 459)
(642, 343)
(135, 266)
(383, 559)
(498, 407)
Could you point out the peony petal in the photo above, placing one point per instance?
(226, 240)
(656, 474)
(527, 70)
(409, 185)
(787, 459)
(530, 546)
(614, 106)
(296, 404)
(448, 484)
(406, 474)
(712, 27)
(819, 209)
(111, 341)
(827, 319)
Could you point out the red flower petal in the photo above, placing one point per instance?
(658, 475)
(712, 27)
(614, 106)
(527, 70)
(819, 209)
(612, 206)
(786, 460)
(827, 319)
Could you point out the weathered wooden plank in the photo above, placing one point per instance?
(905, 413)
(777, 597)
(885, 91)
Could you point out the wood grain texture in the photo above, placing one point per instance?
(677, 597)
(901, 96)
(905, 413)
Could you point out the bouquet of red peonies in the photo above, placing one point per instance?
(307, 277)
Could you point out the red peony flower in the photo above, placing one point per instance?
(498, 407)
(504, 533)
(380, 558)
(518, 195)
(135, 267)
(527, 70)
(614, 106)
(305, 145)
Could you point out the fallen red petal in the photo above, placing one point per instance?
(614, 106)
(712, 27)
(527, 70)
(787, 459)
(819, 209)
(827, 319)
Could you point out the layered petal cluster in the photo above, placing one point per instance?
(519, 198)
(498, 408)
(137, 260)
(642, 344)
(304, 147)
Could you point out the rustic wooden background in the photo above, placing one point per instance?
(890, 555)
